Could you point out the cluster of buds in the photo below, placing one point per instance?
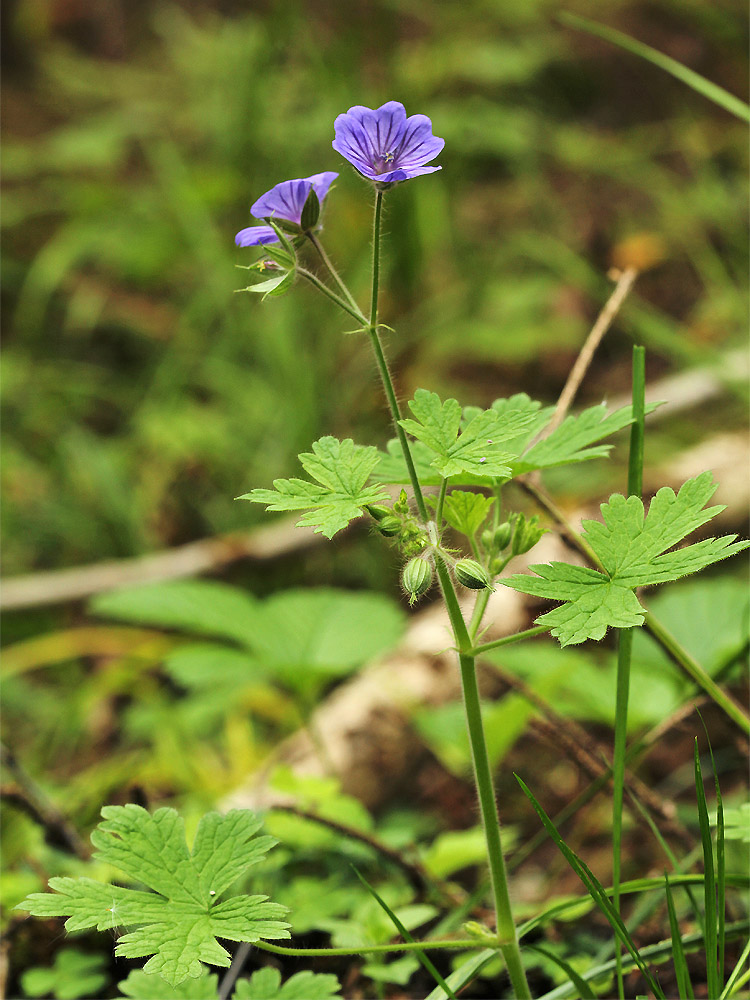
(515, 536)
(398, 522)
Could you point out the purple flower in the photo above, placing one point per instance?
(384, 145)
(285, 202)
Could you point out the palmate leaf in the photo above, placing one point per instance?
(475, 446)
(573, 441)
(631, 548)
(467, 512)
(341, 469)
(178, 923)
(521, 420)
(265, 984)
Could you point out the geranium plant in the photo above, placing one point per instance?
(445, 469)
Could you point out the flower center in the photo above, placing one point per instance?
(384, 163)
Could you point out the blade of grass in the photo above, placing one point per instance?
(684, 985)
(463, 976)
(737, 977)
(595, 889)
(740, 882)
(709, 884)
(580, 984)
(720, 862)
(711, 91)
(659, 952)
(425, 961)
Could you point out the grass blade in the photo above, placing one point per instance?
(709, 884)
(739, 974)
(407, 937)
(684, 985)
(655, 953)
(595, 889)
(711, 91)
(581, 985)
(720, 863)
(463, 976)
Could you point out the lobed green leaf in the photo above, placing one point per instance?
(177, 924)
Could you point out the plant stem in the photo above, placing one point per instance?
(441, 503)
(506, 929)
(332, 270)
(625, 651)
(322, 287)
(374, 948)
(506, 640)
(385, 374)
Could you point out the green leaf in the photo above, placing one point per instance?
(178, 923)
(341, 469)
(334, 631)
(631, 548)
(74, 974)
(141, 986)
(467, 512)
(277, 285)
(572, 441)
(521, 420)
(265, 984)
(471, 446)
(201, 607)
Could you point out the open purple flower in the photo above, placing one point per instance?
(384, 145)
(284, 202)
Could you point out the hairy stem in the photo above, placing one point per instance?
(506, 929)
(332, 271)
(624, 652)
(322, 287)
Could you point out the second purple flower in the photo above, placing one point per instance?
(384, 145)
(284, 202)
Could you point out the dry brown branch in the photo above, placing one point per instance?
(603, 322)
(204, 556)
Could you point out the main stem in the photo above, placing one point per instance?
(624, 652)
(506, 928)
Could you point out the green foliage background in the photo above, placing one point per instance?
(141, 395)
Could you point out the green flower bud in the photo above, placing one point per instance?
(472, 574)
(487, 538)
(480, 932)
(378, 511)
(416, 578)
(525, 534)
(401, 506)
(502, 536)
(388, 526)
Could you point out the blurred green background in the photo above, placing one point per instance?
(141, 395)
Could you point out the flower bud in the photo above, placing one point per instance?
(502, 536)
(525, 534)
(378, 511)
(416, 578)
(388, 526)
(472, 574)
